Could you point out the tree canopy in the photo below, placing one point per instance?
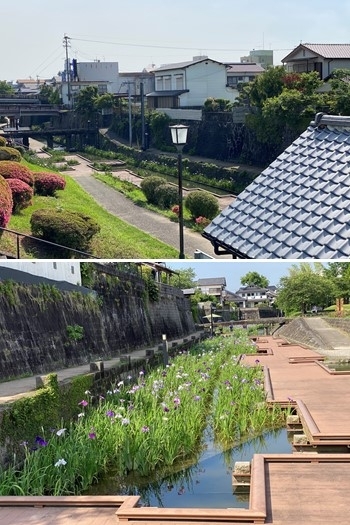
(304, 287)
(254, 279)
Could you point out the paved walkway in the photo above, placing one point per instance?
(117, 204)
(12, 390)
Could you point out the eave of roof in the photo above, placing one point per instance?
(167, 93)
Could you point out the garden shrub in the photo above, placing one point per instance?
(166, 195)
(14, 170)
(68, 228)
(22, 194)
(2, 142)
(202, 204)
(6, 202)
(47, 184)
(7, 153)
(149, 186)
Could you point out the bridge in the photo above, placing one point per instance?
(89, 135)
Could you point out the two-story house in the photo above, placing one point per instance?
(182, 88)
(323, 58)
(253, 295)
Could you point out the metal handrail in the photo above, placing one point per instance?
(47, 243)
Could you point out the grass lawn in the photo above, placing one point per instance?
(116, 240)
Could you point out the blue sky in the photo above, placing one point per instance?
(139, 33)
(234, 270)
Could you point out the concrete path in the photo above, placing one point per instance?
(336, 342)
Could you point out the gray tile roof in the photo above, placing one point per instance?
(209, 281)
(299, 206)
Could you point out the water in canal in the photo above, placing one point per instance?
(205, 484)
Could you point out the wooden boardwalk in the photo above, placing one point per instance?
(303, 488)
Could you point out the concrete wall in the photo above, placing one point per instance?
(34, 338)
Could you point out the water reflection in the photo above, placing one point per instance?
(206, 483)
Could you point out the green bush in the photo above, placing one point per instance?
(71, 229)
(202, 204)
(7, 153)
(166, 195)
(149, 186)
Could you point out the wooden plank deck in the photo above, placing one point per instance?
(304, 489)
(294, 374)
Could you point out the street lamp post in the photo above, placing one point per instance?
(179, 138)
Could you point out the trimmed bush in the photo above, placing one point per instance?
(12, 170)
(2, 142)
(22, 194)
(7, 153)
(6, 202)
(68, 228)
(47, 184)
(149, 186)
(166, 195)
(202, 204)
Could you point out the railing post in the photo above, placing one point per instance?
(18, 247)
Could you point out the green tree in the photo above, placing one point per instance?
(86, 103)
(339, 273)
(254, 279)
(304, 287)
(5, 89)
(339, 97)
(49, 95)
(184, 278)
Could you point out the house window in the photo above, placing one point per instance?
(231, 81)
(72, 270)
(167, 82)
(54, 264)
(179, 81)
(101, 89)
(159, 83)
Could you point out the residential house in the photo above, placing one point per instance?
(323, 58)
(242, 72)
(251, 296)
(182, 88)
(299, 206)
(214, 286)
(68, 271)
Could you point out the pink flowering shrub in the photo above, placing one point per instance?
(202, 221)
(47, 184)
(13, 170)
(6, 203)
(22, 194)
(176, 209)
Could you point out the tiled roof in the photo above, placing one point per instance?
(298, 207)
(210, 281)
(181, 65)
(245, 67)
(324, 50)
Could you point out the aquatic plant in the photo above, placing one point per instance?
(148, 422)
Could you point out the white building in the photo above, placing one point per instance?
(68, 271)
(182, 88)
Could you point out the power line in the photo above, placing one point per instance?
(154, 46)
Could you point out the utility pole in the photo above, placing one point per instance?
(143, 137)
(66, 44)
